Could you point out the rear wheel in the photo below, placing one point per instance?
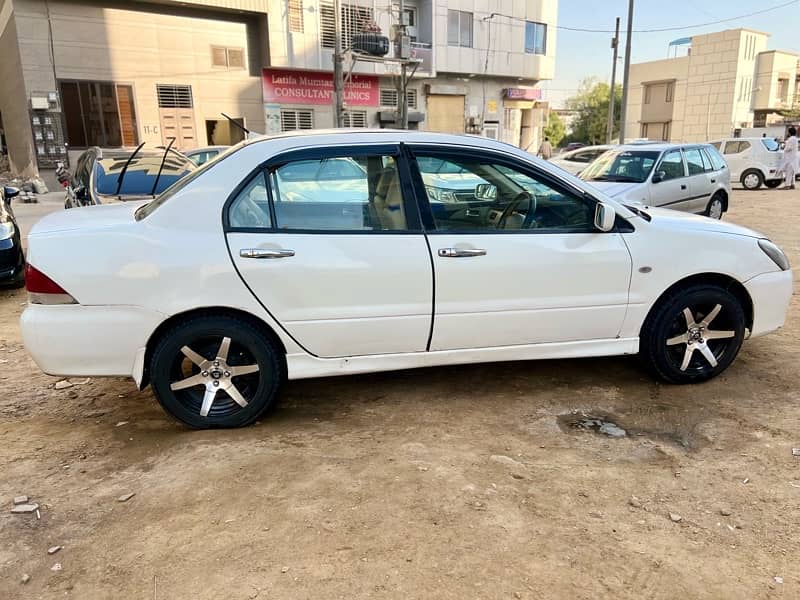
(216, 372)
(752, 179)
(716, 206)
(693, 334)
(773, 183)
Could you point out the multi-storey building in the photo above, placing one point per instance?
(79, 73)
(727, 81)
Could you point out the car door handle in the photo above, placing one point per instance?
(461, 252)
(683, 186)
(262, 253)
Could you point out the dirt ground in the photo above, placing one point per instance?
(436, 483)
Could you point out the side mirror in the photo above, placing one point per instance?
(659, 176)
(604, 217)
(10, 192)
(485, 191)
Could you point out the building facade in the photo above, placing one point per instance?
(112, 73)
(728, 81)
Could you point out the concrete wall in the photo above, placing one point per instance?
(674, 69)
(13, 100)
(770, 67)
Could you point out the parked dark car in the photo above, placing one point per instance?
(12, 259)
(108, 176)
(573, 146)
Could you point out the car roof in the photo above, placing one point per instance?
(658, 146)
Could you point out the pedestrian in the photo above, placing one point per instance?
(545, 150)
(789, 164)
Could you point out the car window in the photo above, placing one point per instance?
(708, 165)
(694, 161)
(735, 147)
(770, 144)
(716, 158)
(583, 157)
(489, 196)
(672, 165)
(141, 173)
(251, 206)
(621, 166)
(344, 194)
(716, 145)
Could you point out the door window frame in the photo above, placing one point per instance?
(449, 152)
(410, 206)
(683, 163)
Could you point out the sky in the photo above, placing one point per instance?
(581, 54)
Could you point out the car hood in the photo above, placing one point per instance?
(614, 189)
(673, 219)
(95, 217)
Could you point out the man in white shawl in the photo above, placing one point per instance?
(789, 163)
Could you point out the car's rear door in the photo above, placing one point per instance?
(517, 260)
(330, 242)
(702, 179)
(670, 184)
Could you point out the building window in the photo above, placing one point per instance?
(353, 19)
(296, 119)
(389, 97)
(670, 91)
(174, 96)
(647, 93)
(295, 14)
(535, 38)
(459, 28)
(227, 58)
(354, 118)
(98, 113)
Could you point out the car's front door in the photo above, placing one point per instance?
(670, 185)
(332, 246)
(516, 257)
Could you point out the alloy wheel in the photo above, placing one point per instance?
(751, 181)
(715, 208)
(693, 347)
(214, 377)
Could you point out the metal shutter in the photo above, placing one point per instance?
(355, 118)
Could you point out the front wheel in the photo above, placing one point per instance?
(216, 372)
(693, 334)
(752, 180)
(715, 207)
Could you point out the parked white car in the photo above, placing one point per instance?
(222, 288)
(576, 161)
(752, 161)
(688, 177)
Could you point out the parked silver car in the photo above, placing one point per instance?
(688, 177)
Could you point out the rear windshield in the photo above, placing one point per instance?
(141, 174)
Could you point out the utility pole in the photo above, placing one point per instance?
(338, 72)
(400, 41)
(612, 98)
(626, 76)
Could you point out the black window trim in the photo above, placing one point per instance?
(680, 151)
(410, 206)
(514, 163)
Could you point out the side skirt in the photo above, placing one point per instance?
(303, 366)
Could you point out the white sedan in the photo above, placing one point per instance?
(229, 283)
(575, 161)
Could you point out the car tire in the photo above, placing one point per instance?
(193, 371)
(680, 351)
(716, 207)
(773, 183)
(752, 179)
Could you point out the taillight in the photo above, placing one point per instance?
(43, 290)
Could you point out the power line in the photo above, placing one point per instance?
(658, 29)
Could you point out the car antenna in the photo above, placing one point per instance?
(161, 168)
(125, 168)
(235, 122)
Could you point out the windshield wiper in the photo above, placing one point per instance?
(125, 168)
(161, 168)
(639, 212)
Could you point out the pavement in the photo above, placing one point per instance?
(28, 214)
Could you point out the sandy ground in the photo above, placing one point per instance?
(439, 483)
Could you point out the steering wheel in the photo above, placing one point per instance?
(514, 204)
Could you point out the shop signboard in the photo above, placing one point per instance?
(287, 86)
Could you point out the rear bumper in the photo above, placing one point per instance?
(76, 340)
(771, 294)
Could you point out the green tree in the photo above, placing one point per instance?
(555, 129)
(591, 107)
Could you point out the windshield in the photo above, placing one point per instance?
(770, 144)
(621, 165)
(141, 173)
(148, 209)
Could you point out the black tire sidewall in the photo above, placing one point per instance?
(258, 344)
(715, 198)
(655, 332)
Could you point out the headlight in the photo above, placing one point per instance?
(775, 253)
(6, 230)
